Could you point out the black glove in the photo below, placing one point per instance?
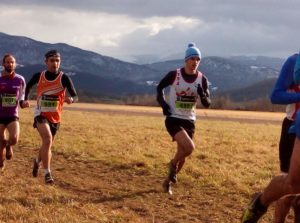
(166, 109)
(21, 103)
(205, 101)
(204, 97)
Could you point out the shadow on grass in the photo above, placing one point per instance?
(117, 182)
(95, 195)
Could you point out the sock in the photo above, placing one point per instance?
(47, 171)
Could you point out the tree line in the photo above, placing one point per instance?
(218, 102)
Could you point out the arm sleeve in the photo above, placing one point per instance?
(205, 86)
(67, 83)
(280, 94)
(22, 90)
(165, 82)
(297, 70)
(205, 99)
(34, 80)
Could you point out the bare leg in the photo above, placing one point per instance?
(13, 129)
(14, 132)
(185, 147)
(282, 208)
(45, 149)
(180, 165)
(2, 145)
(296, 206)
(284, 184)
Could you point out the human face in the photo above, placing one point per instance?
(9, 64)
(191, 65)
(53, 64)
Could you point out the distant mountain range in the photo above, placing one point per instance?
(228, 74)
(100, 76)
(260, 89)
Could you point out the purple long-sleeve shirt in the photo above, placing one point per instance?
(12, 91)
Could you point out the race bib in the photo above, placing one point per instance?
(9, 100)
(49, 103)
(185, 102)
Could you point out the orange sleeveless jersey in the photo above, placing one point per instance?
(50, 98)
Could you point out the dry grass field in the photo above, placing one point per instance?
(109, 162)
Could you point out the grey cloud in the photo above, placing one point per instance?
(196, 8)
(257, 27)
(268, 12)
(235, 38)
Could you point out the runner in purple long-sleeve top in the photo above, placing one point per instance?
(12, 89)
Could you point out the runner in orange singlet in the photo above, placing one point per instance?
(51, 90)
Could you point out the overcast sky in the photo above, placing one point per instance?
(126, 28)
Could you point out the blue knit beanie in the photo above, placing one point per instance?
(192, 51)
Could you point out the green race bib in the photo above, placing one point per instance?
(49, 104)
(184, 105)
(185, 102)
(9, 100)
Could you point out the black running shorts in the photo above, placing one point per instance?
(175, 125)
(286, 145)
(53, 126)
(7, 120)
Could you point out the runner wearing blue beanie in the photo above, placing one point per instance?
(192, 51)
(187, 84)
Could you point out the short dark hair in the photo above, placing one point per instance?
(5, 56)
(52, 53)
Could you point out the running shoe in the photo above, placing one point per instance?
(49, 179)
(172, 173)
(9, 152)
(35, 168)
(252, 214)
(167, 187)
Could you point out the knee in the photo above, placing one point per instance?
(189, 149)
(47, 141)
(13, 140)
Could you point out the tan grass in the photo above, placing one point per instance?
(200, 112)
(109, 167)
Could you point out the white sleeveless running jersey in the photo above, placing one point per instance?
(183, 97)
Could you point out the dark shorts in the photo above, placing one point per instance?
(7, 120)
(286, 145)
(41, 119)
(175, 125)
